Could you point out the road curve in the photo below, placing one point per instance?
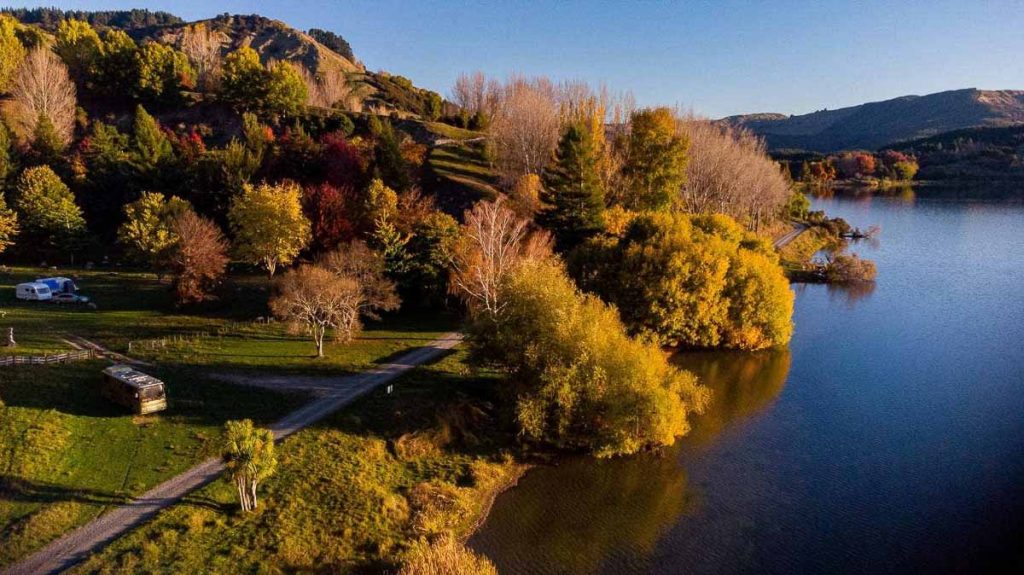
(75, 546)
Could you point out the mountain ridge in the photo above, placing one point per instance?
(873, 125)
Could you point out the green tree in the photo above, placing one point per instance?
(47, 208)
(286, 91)
(573, 189)
(582, 382)
(431, 250)
(148, 229)
(8, 225)
(47, 146)
(150, 151)
(242, 80)
(12, 52)
(700, 281)
(797, 206)
(268, 225)
(161, 73)
(655, 160)
(249, 459)
(80, 47)
(7, 158)
(118, 68)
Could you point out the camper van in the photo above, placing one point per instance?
(59, 285)
(33, 291)
(126, 386)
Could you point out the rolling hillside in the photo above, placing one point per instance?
(877, 124)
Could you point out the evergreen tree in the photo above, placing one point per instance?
(47, 146)
(573, 188)
(151, 151)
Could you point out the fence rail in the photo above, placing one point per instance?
(77, 355)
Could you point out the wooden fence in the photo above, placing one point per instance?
(77, 355)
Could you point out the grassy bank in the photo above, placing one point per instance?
(796, 255)
(66, 455)
(350, 493)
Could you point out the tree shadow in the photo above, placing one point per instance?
(21, 490)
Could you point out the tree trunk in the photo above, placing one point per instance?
(252, 488)
(319, 336)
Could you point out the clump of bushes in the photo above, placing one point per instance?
(695, 281)
(583, 382)
(848, 268)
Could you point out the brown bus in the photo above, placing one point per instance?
(133, 389)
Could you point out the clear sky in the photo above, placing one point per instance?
(718, 58)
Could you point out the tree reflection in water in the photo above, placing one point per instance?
(852, 292)
(582, 513)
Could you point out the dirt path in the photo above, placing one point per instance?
(789, 236)
(75, 546)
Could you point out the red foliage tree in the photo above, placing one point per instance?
(329, 210)
(344, 166)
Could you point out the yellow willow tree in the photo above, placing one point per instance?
(268, 225)
(249, 459)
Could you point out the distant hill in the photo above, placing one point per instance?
(877, 124)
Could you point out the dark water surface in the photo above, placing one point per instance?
(888, 438)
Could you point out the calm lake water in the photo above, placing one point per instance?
(889, 437)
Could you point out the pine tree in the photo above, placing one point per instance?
(151, 149)
(573, 188)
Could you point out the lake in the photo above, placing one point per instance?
(887, 438)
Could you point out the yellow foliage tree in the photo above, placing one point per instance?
(148, 230)
(268, 225)
(584, 383)
(11, 51)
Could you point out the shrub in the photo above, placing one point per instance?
(848, 268)
(446, 556)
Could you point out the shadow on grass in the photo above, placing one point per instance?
(18, 489)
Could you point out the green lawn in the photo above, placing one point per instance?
(350, 493)
(66, 454)
(222, 335)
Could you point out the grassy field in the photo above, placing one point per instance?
(351, 493)
(66, 454)
(221, 335)
(460, 175)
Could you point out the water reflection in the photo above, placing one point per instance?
(852, 293)
(584, 514)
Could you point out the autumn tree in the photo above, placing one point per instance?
(582, 382)
(268, 225)
(525, 127)
(355, 261)
(242, 79)
(12, 52)
(729, 172)
(286, 92)
(161, 73)
(8, 225)
(148, 231)
(202, 46)
(47, 209)
(118, 66)
(249, 459)
(329, 211)
(655, 160)
(493, 241)
(80, 47)
(317, 300)
(573, 191)
(150, 150)
(198, 258)
(696, 281)
(42, 88)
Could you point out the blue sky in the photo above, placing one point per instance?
(717, 58)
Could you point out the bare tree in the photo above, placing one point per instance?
(730, 172)
(42, 87)
(317, 299)
(327, 90)
(202, 45)
(358, 262)
(199, 257)
(525, 127)
(494, 239)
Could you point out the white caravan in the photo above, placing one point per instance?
(35, 291)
